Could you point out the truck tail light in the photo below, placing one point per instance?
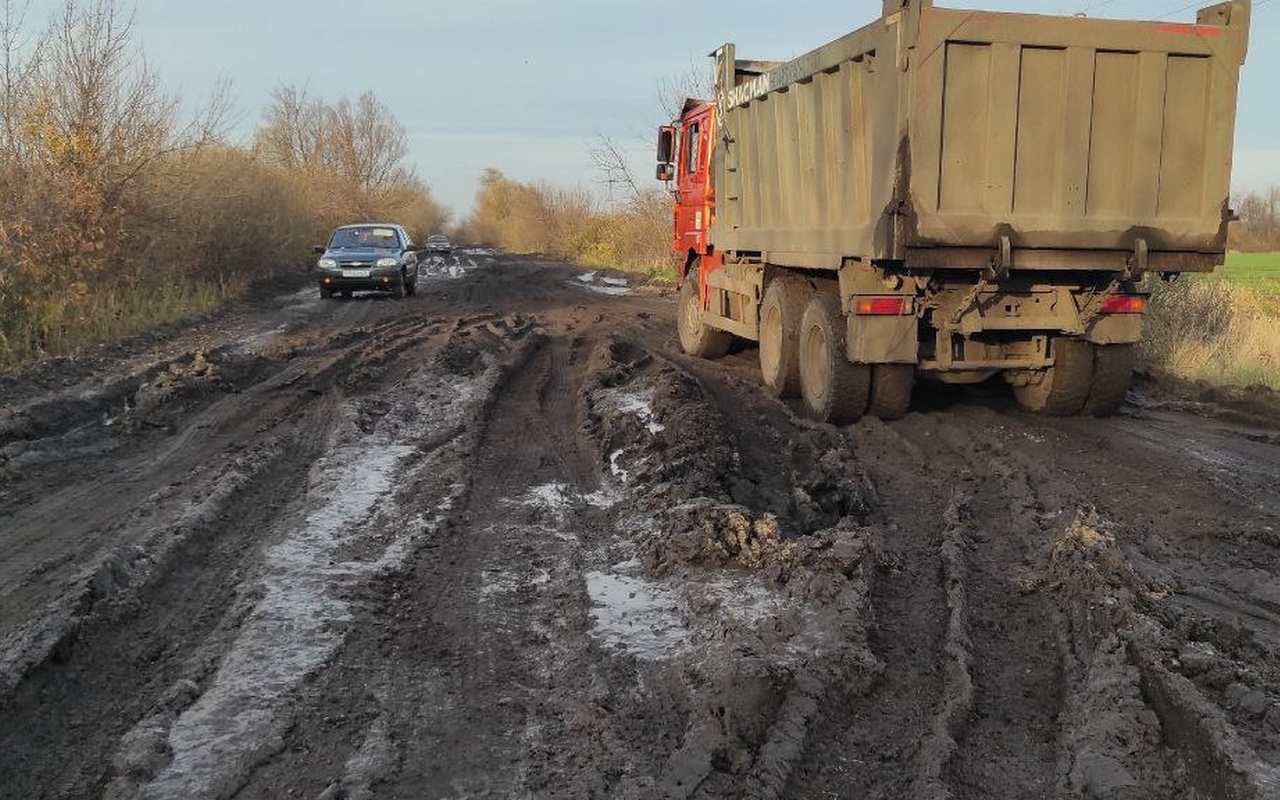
(881, 306)
(1124, 304)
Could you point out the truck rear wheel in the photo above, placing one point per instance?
(1063, 388)
(1112, 374)
(834, 390)
(780, 312)
(891, 386)
(697, 338)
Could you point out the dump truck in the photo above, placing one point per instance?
(955, 195)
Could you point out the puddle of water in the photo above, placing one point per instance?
(615, 291)
(614, 281)
(442, 267)
(560, 496)
(298, 620)
(616, 468)
(636, 614)
(640, 404)
(289, 634)
(647, 617)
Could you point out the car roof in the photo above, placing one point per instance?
(371, 225)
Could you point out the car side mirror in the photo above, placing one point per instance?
(666, 172)
(318, 250)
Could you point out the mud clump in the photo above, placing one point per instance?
(181, 379)
(715, 536)
(708, 535)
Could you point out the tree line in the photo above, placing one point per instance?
(122, 208)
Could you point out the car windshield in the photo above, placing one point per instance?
(383, 238)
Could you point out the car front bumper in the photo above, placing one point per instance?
(377, 280)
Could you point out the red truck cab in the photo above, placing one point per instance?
(684, 156)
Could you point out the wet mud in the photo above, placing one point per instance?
(502, 539)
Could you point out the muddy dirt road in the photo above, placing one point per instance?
(503, 540)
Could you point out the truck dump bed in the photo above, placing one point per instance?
(947, 138)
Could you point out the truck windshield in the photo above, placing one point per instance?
(382, 238)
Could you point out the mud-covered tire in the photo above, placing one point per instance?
(400, 288)
(1065, 387)
(1112, 374)
(783, 305)
(697, 338)
(411, 287)
(834, 390)
(891, 387)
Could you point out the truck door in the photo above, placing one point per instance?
(694, 207)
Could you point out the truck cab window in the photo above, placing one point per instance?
(691, 149)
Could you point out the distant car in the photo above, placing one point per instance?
(371, 257)
(438, 243)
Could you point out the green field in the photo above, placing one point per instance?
(1255, 270)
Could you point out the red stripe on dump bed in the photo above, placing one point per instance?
(1185, 29)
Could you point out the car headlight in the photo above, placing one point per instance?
(327, 263)
(387, 262)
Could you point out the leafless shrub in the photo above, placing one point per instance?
(1259, 226)
(121, 209)
(572, 224)
(1215, 330)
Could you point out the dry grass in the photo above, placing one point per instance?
(118, 212)
(573, 225)
(1215, 330)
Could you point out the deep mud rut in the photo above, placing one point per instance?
(503, 540)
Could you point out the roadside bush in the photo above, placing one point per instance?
(573, 225)
(119, 211)
(1214, 330)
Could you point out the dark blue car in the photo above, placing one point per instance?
(368, 257)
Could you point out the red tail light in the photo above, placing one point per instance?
(881, 306)
(1124, 304)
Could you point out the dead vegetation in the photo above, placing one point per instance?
(122, 208)
(1258, 227)
(630, 232)
(1214, 330)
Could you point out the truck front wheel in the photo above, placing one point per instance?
(697, 338)
(780, 312)
(1063, 388)
(834, 390)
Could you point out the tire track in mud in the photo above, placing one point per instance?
(624, 573)
(1118, 729)
(121, 651)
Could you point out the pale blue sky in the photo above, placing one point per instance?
(525, 86)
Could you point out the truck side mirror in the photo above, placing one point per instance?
(666, 144)
(666, 172)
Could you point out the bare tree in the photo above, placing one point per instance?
(293, 132)
(696, 82)
(369, 143)
(19, 53)
(610, 163)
